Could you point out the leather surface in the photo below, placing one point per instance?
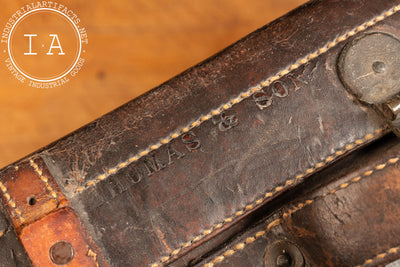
(350, 218)
(357, 222)
(174, 174)
(12, 253)
(182, 201)
(133, 47)
(40, 217)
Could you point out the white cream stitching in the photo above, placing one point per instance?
(381, 256)
(297, 207)
(11, 202)
(268, 195)
(238, 99)
(43, 178)
(251, 91)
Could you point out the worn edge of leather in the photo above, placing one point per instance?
(44, 179)
(381, 256)
(11, 202)
(10, 230)
(242, 96)
(236, 100)
(17, 212)
(94, 252)
(248, 240)
(249, 207)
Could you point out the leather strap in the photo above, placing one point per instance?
(350, 218)
(180, 170)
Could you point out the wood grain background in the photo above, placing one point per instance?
(133, 47)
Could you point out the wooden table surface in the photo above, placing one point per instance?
(133, 47)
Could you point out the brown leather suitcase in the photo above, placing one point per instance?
(277, 151)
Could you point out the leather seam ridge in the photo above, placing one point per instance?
(267, 195)
(239, 98)
(257, 88)
(381, 256)
(301, 205)
(11, 202)
(43, 178)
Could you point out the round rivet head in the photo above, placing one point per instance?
(283, 260)
(369, 67)
(283, 254)
(62, 253)
(379, 67)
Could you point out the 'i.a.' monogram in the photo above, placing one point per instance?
(44, 44)
(55, 44)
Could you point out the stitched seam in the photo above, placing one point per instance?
(266, 196)
(381, 256)
(238, 99)
(93, 255)
(11, 202)
(255, 89)
(249, 240)
(43, 178)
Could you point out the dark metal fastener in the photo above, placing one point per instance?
(369, 67)
(283, 254)
(61, 253)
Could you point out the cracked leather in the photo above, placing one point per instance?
(182, 201)
(351, 221)
(357, 223)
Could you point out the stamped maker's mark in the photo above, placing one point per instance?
(160, 159)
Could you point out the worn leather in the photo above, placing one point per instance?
(347, 215)
(171, 176)
(12, 253)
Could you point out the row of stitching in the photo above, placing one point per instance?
(238, 99)
(269, 194)
(381, 256)
(300, 62)
(44, 179)
(11, 202)
(249, 240)
(93, 255)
